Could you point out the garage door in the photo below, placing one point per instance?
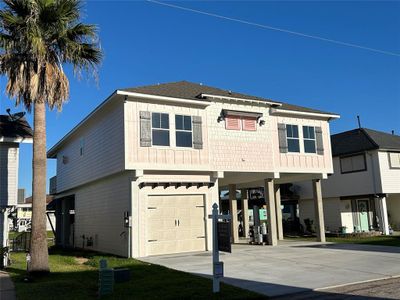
(175, 223)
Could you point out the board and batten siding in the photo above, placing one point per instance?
(390, 177)
(300, 162)
(163, 157)
(9, 154)
(102, 138)
(99, 214)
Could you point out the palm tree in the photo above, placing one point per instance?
(37, 37)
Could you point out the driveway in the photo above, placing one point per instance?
(292, 267)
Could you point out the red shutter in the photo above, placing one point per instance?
(249, 124)
(232, 122)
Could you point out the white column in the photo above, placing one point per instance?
(319, 210)
(245, 211)
(269, 194)
(233, 212)
(279, 224)
(383, 215)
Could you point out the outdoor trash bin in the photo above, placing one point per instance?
(122, 274)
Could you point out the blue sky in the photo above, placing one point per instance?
(146, 43)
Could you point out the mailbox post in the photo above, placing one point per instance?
(221, 242)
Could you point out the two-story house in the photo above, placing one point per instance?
(157, 156)
(363, 194)
(14, 129)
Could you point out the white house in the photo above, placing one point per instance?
(363, 194)
(14, 130)
(160, 155)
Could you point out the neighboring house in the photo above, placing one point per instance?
(13, 131)
(157, 157)
(23, 215)
(363, 194)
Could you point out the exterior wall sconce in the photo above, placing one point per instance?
(221, 117)
(261, 123)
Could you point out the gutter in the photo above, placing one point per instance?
(274, 111)
(241, 99)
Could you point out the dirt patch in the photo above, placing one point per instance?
(81, 260)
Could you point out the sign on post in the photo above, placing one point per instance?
(221, 242)
(224, 236)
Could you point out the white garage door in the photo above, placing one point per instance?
(175, 223)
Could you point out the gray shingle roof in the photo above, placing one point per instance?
(14, 129)
(363, 139)
(190, 90)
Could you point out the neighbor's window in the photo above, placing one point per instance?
(160, 129)
(394, 160)
(81, 146)
(354, 163)
(309, 139)
(183, 126)
(292, 133)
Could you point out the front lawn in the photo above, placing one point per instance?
(74, 275)
(381, 240)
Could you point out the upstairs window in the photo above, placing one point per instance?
(183, 126)
(353, 163)
(394, 160)
(309, 139)
(292, 134)
(232, 122)
(249, 124)
(160, 129)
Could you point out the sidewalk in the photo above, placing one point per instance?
(7, 291)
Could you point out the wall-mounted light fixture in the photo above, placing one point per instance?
(261, 122)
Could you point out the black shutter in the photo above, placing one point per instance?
(283, 146)
(319, 140)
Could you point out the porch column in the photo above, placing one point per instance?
(245, 211)
(279, 224)
(383, 215)
(319, 210)
(233, 212)
(269, 194)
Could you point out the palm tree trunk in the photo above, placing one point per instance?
(39, 252)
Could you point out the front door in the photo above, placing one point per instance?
(363, 214)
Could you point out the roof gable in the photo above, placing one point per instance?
(10, 128)
(363, 139)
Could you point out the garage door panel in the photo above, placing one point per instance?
(166, 234)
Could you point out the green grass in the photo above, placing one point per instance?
(72, 280)
(372, 240)
(14, 234)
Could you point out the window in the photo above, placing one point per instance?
(394, 160)
(183, 126)
(232, 122)
(81, 146)
(292, 133)
(160, 129)
(249, 124)
(354, 163)
(309, 139)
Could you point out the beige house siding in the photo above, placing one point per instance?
(103, 151)
(9, 153)
(332, 212)
(393, 207)
(390, 177)
(162, 157)
(100, 208)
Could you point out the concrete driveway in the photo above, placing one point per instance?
(292, 267)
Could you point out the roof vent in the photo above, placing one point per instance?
(201, 83)
(230, 92)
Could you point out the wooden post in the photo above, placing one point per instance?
(279, 224)
(233, 212)
(319, 210)
(269, 195)
(245, 211)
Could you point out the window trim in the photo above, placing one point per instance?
(390, 161)
(160, 129)
(309, 139)
(352, 155)
(293, 138)
(184, 130)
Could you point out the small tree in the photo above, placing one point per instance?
(36, 38)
